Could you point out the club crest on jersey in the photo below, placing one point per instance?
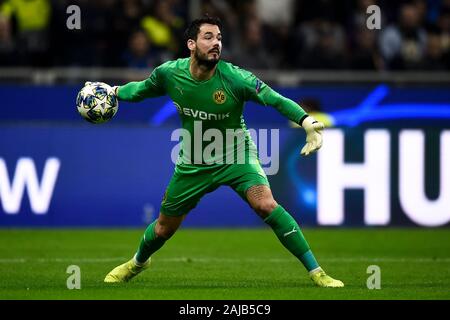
(219, 96)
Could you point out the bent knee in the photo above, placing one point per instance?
(265, 207)
(165, 232)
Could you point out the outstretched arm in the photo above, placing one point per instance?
(261, 93)
(295, 113)
(139, 90)
(285, 106)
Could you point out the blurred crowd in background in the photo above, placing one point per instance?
(257, 34)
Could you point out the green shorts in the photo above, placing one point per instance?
(190, 183)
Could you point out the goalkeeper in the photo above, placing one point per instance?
(209, 95)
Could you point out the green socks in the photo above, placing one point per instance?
(290, 235)
(150, 243)
(282, 223)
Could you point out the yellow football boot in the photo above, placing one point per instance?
(321, 279)
(125, 272)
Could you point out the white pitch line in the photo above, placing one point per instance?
(12, 260)
(226, 260)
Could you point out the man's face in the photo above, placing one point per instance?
(208, 46)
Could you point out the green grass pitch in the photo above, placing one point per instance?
(225, 264)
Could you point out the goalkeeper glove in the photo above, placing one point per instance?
(313, 129)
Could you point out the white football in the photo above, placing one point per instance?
(97, 102)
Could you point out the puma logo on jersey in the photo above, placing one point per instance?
(179, 89)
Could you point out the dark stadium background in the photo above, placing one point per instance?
(383, 94)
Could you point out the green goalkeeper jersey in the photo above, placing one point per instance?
(214, 131)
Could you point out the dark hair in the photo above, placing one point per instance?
(194, 27)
